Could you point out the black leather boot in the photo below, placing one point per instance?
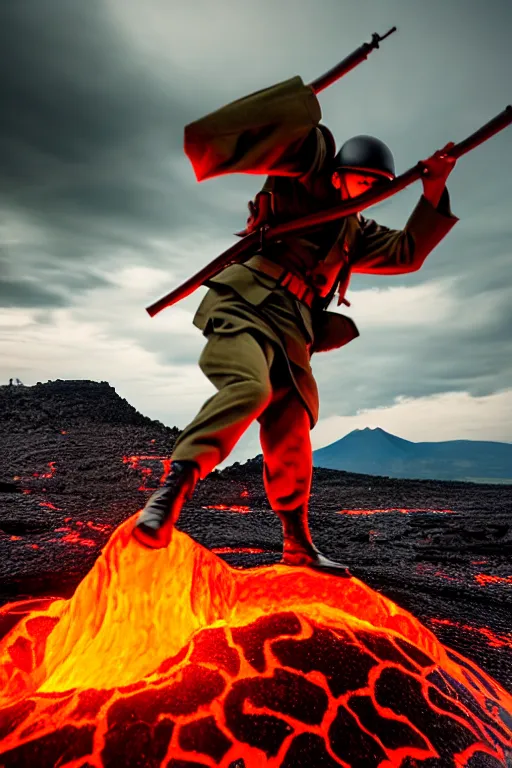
(298, 548)
(155, 523)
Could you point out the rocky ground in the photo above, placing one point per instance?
(76, 460)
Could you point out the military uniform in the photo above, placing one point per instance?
(261, 327)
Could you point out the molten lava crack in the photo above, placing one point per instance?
(173, 658)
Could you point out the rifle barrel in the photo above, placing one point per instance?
(482, 134)
(348, 63)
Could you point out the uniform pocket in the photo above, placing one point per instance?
(245, 283)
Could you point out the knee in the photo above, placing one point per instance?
(258, 393)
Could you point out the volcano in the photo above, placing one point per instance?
(377, 452)
(173, 658)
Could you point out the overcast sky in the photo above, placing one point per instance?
(100, 212)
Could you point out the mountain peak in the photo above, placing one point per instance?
(368, 432)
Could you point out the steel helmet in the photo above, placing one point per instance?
(368, 154)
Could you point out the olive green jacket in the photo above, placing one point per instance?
(276, 132)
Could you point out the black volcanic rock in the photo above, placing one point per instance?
(61, 404)
(376, 452)
(73, 437)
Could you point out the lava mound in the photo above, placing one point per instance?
(173, 658)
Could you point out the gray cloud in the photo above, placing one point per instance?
(94, 99)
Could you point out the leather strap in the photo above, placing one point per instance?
(289, 281)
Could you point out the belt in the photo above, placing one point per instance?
(287, 280)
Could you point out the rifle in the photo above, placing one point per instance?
(238, 251)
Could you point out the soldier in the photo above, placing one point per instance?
(263, 319)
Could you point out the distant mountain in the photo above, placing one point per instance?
(376, 452)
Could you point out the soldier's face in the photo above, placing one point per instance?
(352, 184)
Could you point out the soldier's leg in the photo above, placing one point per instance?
(286, 445)
(287, 473)
(238, 365)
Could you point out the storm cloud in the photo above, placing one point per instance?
(100, 213)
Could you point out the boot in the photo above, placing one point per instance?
(155, 523)
(298, 548)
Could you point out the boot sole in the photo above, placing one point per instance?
(342, 572)
(337, 570)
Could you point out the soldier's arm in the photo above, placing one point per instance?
(398, 251)
(271, 132)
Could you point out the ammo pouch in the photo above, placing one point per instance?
(331, 330)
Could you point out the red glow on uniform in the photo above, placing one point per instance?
(171, 657)
(394, 509)
(226, 508)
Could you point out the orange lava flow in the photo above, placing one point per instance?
(226, 508)
(172, 655)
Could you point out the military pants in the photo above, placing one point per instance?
(253, 383)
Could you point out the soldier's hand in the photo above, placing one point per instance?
(436, 170)
(439, 165)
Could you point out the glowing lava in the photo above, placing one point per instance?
(172, 658)
(493, 639)
(407, 511)
(245, 550)
(46, 475)
(485, 578)
(147, 472)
